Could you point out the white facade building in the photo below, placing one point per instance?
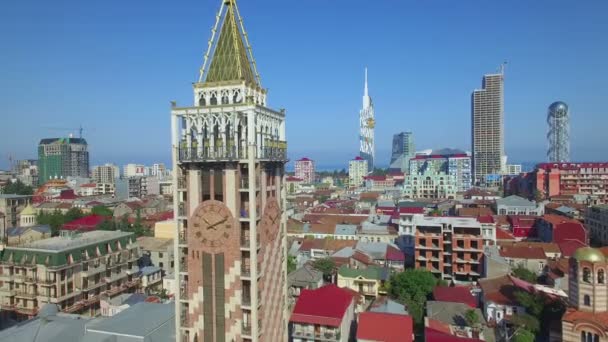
(105, 173)
(133, 170)
(357, 170)
(367, 123)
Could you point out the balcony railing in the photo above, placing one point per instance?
(274, 153)
(194, 154)
(246, 330)
(181, 182)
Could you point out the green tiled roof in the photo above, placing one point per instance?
(376, 273)
(230, 62)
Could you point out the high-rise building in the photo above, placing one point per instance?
(403, 150)
(229, 155)
(134, 170)
(305, 170)
(59, 158)
(487, 128)
(558, 137)
(455, 163)
(357, 170)
(105, 173)
(367, 123)
(27, 171)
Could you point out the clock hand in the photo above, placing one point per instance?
(215, 224)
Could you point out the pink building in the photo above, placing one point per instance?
(305, 170)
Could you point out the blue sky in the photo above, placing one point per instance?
(113, 66)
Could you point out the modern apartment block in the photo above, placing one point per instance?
(596, 222)
(134, 170)
(105, 173)
(450, 247)
(71, 270)
(357, 170)
(403, 150)
(229, 155)
(430, 185)
(487, 128)
(456, 164)
(59, 158)
(305, 170)
(588, 180)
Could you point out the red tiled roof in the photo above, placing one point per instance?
(522, 252)
(456, 294)
(293, 179)
(88, 185)
(485, 219)
(570, 166)
(411, 210)
(502, 234)
(568, 247)
(375, 178)
(394, 254)
(326, 305)
(558, 219)
(86, 223)
(67, 195)
(358, 158)
(569, 231)
(304, 159)
(386, 327)
(599, 318)
(522, 221)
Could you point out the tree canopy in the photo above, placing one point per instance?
(472, 318)
(325, 265)
(526, 321)
(57, 219)
(412, 287)
(18, 188)
(525, 274)
(101, 211)
(523, 335)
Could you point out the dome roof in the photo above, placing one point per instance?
(589, 254)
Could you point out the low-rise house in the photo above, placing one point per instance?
(159, 251)
(523, 227)
(515, 205)
(550, 249)
(498, 298)
(384, 327)
(127, 209)
(151, 279)
(305, 277)
(386, 305)
(449, 318)
(455, 294)
(556, 273)
(494, 265)
(21, 235)
(369, 281)
(85, 224)
(111, 306)
(556, 228)
(531, 258)
(322, 314)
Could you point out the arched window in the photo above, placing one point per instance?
(586, 275)
(587, 300)
(213, 101)
(202, 102)
(600, 276)
(225, 99)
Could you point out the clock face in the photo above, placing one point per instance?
(212, 225)
(271, 219)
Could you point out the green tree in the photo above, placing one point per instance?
(534, 304)
(523, 335)
(101, 211)
(472, 319)
(525, 274)
(526, 321)
(18, 188)
(538, 196)
(291, 264)
(73, 214)
(325, 265)
(412, 287)
(107, 225)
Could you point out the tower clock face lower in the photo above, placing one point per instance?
(271, 219)
(212, 225)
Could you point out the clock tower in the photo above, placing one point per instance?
(229, 155)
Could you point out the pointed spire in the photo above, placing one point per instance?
(365, 91)
(230, 60)
(367, 100)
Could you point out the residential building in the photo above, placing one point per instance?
(596, 222)
(323, 314)
(71, 270)
(558, 136)
(159, 251)
(131, 187)
(384, 327)
(449, 318)
(445, 161)
(229, 155)
(133, 170)
(558, 229)
(572, 180)
(449, 247)
(523, 227)
(305, 277)
(487, 125)
(368, 282)
(429, 185)
(293, 184)
(531, 258)
(151, 279)
(105, 189)
(357, 170)
(587, 317)
(305, 170)
(110, 306)
(62, 158)
(10, 206)
(367, 124)
(105, 173)
(21, 235)
(455, 294)
(403, 150)
(498, 297)
(512, 169)
(515, 205)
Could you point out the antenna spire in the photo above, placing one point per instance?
(365, 89)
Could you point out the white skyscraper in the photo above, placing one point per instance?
(367, 123)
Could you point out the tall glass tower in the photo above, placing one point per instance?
(558, 137)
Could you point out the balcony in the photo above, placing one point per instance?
(183, 267)
(276, 150)
(246, 329)
(25, 294)
(246, 301)
(6, 277)
(185, 320)
(183, 237)
(219, 153)
(181, 182)
(7, 292)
